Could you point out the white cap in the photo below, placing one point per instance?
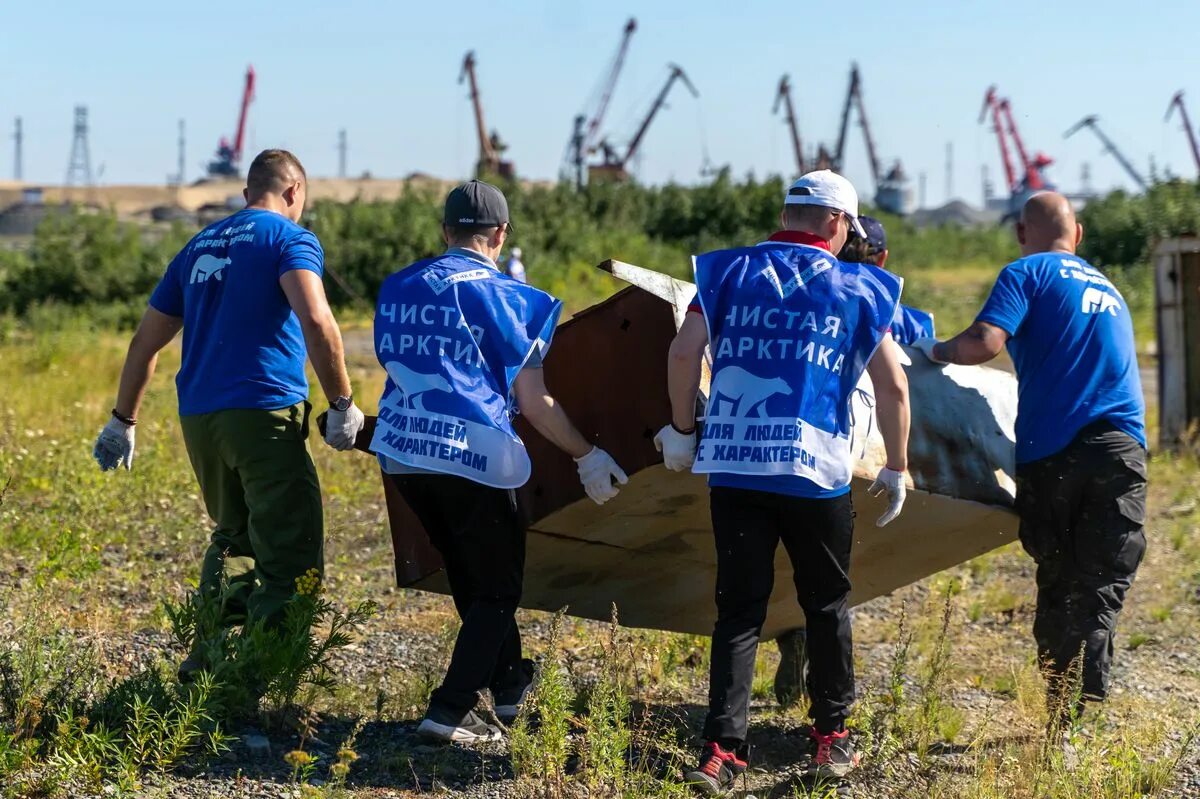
(828, 190)
(516, 251)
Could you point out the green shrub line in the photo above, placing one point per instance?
(89, 258)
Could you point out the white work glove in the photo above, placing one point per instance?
(114, 446)
(678, 449)
(925, 345)
(892, 482)
(596, 471)
(341, 427)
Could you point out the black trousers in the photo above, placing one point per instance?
(817, 534)
(1082, 511)
(479, 535)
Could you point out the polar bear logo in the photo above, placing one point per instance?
(207, 266)
(413, 384)
(1097, 301)
(743, 393)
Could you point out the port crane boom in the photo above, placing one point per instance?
(1091, 121)
(1177, 102)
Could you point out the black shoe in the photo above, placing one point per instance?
(443, 724)
(507, 701)
(717, 770)
(833, 755)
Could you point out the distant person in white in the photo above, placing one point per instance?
(514, 267)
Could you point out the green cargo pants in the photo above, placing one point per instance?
(260, 488)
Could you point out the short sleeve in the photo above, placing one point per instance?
(1008, 304)
(537, 355)
(302, 251)
(168, 294)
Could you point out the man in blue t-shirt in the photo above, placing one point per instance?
(1081, 440)
(757, 313)
(247, 294)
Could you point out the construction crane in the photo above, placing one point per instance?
(1032, 178)
(1035, 179)
(1177, 101)
(892, 190)
(584, 138)
(614, 165)
(1091, 121)
(491, 148)
(227, 163)
(783, 97)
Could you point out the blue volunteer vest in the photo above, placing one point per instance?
(452, 334)
(911, 324)
(791, 330)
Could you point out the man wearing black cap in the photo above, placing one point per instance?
(462, 345)
(910, 324)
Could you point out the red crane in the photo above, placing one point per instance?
(583, 140)
(1177, 100)
(1034, 180)
(614, 165)
(992, 103)
(229, 156)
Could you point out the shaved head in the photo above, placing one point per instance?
(1048, 224)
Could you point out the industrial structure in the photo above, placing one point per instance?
(227, 163)
(180, 176)
(1177, 102)
(1032, 177)
(585, 136)
(783, 99)
(491, 149)
(79, 167)
(18, 155)
(1092, 121)
(614, 167)
(892, 190)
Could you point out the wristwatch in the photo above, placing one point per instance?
(342, 404)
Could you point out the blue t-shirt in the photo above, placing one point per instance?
(1071, 340)
(242, 344)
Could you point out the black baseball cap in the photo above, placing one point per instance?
(477, 204)
(876, 237)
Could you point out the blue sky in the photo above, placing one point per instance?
(387, 73)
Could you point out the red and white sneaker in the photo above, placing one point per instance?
(717, 770)
(833, 755)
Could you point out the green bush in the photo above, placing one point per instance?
(85, 258)
(81, 257)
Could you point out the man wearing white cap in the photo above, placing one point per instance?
(791, 330)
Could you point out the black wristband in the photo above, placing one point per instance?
(129, 420)
(682, 432)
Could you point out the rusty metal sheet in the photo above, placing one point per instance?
(650, 550)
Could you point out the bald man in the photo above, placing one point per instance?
(1081, 441)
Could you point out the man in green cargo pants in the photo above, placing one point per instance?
(247, 294)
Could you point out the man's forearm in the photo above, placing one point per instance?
(683, 384)
(325, 352)
(894, 421)
(978, 344)
(549, 419)
(135, 377)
